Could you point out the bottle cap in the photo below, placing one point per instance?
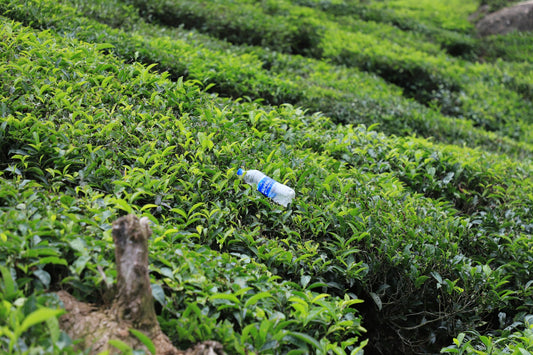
(240, 172)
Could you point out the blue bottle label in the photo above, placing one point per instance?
(265, 186)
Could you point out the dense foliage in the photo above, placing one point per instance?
(406, 137)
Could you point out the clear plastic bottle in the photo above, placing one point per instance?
(269, 187)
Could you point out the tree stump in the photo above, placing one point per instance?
(133, 306)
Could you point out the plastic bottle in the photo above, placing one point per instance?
(269, 187)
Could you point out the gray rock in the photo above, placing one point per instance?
(515, 18)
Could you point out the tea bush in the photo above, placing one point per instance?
(454, 43)
(513, 47)
(288, 31)
(495, 5)
(321, 39)
(450, 15)
(294, 80)
(387, 235)
(63, 192)
(513, 340)
(430, 78)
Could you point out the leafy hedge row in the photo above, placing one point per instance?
(450, 84)
(87, 137)
(322, 38)
(274, 25)
(515, 47)
(451, 15)
(73, 165)
(344, 94)
(453, 42)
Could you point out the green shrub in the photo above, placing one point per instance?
(294, 80)
(423, 72)
(512, 340)
(433, 238)
(514, 47)
(240, 23)
(133, 160)
(495, 5)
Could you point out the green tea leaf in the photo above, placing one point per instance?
(144, 339)
(38, 316)
(52, 260)
(420, 280)
(306, 338)
(9, 286)
(226, 296)
(255, 298)
(159, 294)
(376, 299)
(43, 276)
(120, 345)
(123, 205)
(304, 280)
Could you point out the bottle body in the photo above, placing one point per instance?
(279, 193)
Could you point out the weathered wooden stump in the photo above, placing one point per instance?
(133, 306)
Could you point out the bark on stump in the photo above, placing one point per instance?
(133, 306)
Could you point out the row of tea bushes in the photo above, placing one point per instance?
(344, 94)
(304, 31)
(433, 79)
(455, 42)
(87, 137)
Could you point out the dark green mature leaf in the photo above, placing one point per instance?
(305, 338)
(43, 276)
(9, 287)
(159, 294)
(377, 300)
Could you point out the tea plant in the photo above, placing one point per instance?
(342, 100)
(134, 189)
(495, 5)
(514, 339)
(395, 233)
(429, 78)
